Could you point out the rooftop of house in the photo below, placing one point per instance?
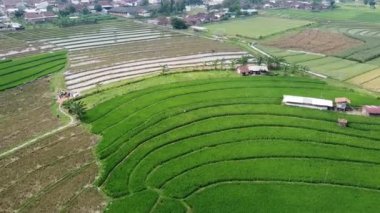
(307, 100)
(342, 100)
(252, 68)
(372, 109)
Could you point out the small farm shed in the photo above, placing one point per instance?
(250, 69)
(199, 29)
(342, 122)
(371, 110)
(342, 103)
(307, 102)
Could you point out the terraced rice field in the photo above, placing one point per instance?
(253, 27)
(89, 79)
(19, 71)
(228, 145)
(334, 67)
(122, 49)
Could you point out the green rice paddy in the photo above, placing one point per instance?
(26, 69)
(228, 145)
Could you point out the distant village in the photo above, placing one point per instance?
(14, 14)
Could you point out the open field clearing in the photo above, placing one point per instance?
(354, 13)
(357, 22)
(373, 84)
(314, 40)
(364, 78)
(89, 79)
(253, 27)
(375, 61)
(8, 43)
(173, 147)
(334, 67)
(25, 112)
(26, 69)
(52, 175)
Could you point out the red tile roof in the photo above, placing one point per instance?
(342, 100)
(372, 109)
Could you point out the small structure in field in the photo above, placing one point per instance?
(342, 122)
(250, 69)
(199, 29)
(342, 103)
(371, 110)
(307, 102)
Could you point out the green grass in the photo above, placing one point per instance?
(255, 27)
(23, 70)
(170, 146)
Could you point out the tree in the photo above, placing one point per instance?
(98, 8)
(372, 3)
(49, 8)
(75, 108)
(144, 3)
(85, 11)
(178, 23)
(19, 13)
(332, 4)
(243, 60)
(71, 9)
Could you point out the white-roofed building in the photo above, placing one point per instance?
(307, 102)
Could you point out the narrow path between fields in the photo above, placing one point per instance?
(268, 55)
(27, 143)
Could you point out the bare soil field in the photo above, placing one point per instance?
(51, 175)
(25, 113)
(316, 41)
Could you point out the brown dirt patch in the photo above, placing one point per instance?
(25, 113)
(316, 41)
(49, 175)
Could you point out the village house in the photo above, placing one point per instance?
(39, 17)
(371, 110)
(251, 69)
(342, 103)
(307, 102)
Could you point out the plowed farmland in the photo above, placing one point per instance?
(228, 145)
(316, 41)
(25, 113)
(52, 175)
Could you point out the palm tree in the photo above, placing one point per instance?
(77, 108)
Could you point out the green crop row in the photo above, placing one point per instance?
(4, 67)
(28, 69)
(163, 145)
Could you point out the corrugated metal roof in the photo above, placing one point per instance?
(307, 101)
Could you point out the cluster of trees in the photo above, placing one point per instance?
(178, 23)
(76, 108)
(371, 3)
(236, 5)
(168, 7)
(171, 6)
